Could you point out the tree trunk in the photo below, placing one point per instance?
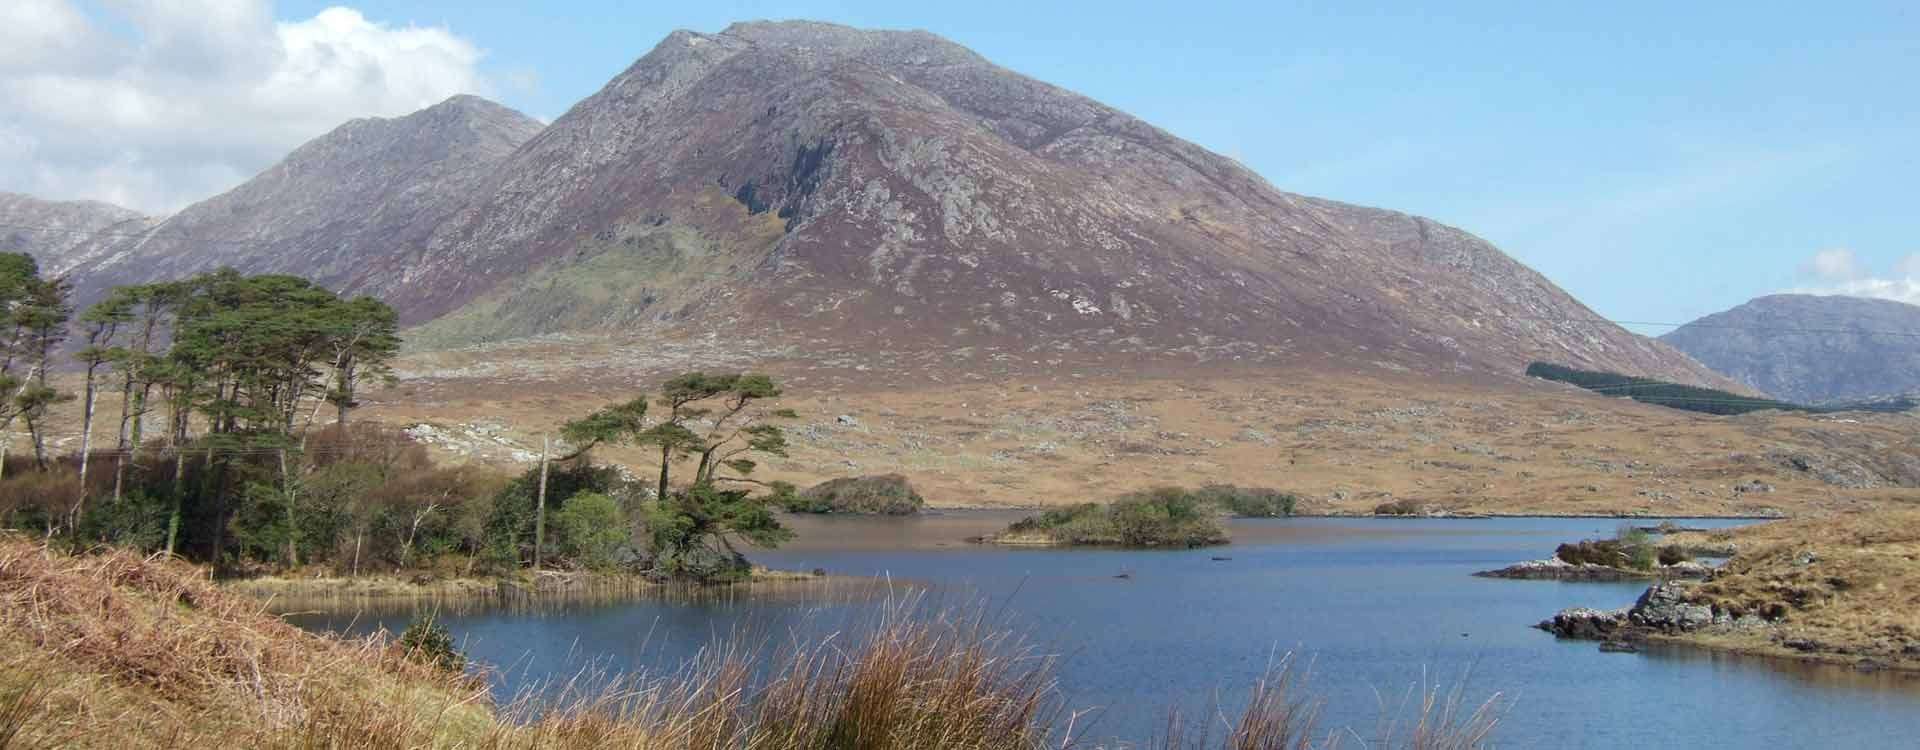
(540, 505)
(179, 490)
(39, 444)
(666, 460)
(86, 447)
(293, 527)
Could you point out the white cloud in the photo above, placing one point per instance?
(1836, 264)
(180, 99)
(1908, 267)
(1841, 272)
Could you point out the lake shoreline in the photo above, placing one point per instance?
(555, 585)
(935, 510)
(1833, 590)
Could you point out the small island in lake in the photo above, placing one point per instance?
(1633, 554)
(881, 495)
(1160, 517)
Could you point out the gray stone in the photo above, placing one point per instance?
(1664, 607)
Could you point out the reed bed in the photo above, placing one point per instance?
(118, 650)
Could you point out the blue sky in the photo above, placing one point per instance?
(1660, 161)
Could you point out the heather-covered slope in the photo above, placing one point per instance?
(896, 188)
(805, 182)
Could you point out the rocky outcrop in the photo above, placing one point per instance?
(1664, 608)
(1586, 624)
(1810, 349)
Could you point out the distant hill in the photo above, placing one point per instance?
(343, 209)
(57, 232)
(1811, 349)
(887, 190)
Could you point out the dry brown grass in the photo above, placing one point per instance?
(1844, 586)
(1345, 442)
(114, 650)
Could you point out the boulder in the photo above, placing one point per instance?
(1587, 624)
(1687, 569)
(1664, 607)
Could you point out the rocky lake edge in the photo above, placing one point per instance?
(1837, 590)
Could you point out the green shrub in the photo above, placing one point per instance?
(1607, 552)
(508, 529)
(137, 520)
(591, 529)
(1249, 502)
(426, 641)
(1630, 548)
(1161, 517)
(887, 494)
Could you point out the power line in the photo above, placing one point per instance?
(1720, 326)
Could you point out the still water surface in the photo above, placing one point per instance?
(1372, 605)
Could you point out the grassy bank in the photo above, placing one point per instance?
(1843, 589)
(118, 650)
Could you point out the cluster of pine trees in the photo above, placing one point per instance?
(215, 423)
(225, 372)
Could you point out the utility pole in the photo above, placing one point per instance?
(540, 505)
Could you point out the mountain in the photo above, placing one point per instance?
(57, 231)
(896, 188)
(880, 189)
(1809, 348)
(339, 209)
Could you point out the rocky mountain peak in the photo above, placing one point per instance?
(886, 189)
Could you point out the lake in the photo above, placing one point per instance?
(1372, 606)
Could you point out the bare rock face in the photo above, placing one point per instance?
(881, 188)
(1809, 348)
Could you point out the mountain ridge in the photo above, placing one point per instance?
(328, 210)
(899, 190)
